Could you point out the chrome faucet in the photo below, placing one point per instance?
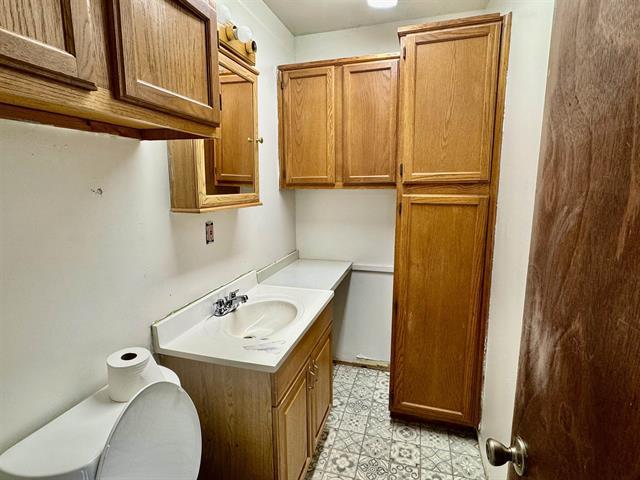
(228, 304)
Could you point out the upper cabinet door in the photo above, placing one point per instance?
(53, 38)
(167, 57)
(370, 99)
(309, 125)
(448, 101)
(237, 151)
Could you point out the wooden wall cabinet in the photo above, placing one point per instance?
(338, 122)
(209, 175)
(260, 425)
(449, 81)
(51, 38)
(452, 101)
(145, 70)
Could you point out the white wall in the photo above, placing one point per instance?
(84, 274)
(526, 84)
(355, 225)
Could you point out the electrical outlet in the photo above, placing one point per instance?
(208, 228)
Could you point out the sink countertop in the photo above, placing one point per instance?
(195, 334)
(316, 274)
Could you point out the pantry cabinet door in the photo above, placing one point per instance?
(369, 113)
(52, 38)
(292, 430)
(308, 112)
(448, 96)
(166, 56)
(436, 338)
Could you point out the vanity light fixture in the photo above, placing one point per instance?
(382, 3)
(244, 34)
(224, 14)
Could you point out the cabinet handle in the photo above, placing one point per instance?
(315, 370)
(311, 384)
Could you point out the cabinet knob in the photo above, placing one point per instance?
(260, 140)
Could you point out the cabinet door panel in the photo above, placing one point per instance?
(167, 56)
(448, 104)
(322, 390)
(370, 97)
(236, 147)
(293, 430)
(309, 122)
(436, 339)
(53, 38)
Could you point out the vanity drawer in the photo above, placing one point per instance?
(282, 380)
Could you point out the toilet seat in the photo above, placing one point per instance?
(156, 437)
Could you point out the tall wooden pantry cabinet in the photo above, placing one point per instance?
(452, 81)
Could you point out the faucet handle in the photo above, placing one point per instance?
(233, 294)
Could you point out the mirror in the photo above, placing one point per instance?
(226, 168)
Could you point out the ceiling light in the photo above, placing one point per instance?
(382, 3)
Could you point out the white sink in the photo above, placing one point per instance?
(261, 318)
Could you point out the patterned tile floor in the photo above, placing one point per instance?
(361, 441)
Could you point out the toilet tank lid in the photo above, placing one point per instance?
(70, 442)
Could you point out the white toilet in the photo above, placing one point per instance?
(154, 436)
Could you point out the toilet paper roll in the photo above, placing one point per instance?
(130, 370)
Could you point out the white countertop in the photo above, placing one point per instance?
(195, 334)
(316, 274)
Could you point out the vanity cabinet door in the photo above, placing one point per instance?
(166, 56)
(308, 123)
(436, 338)
(447, 107)
(369, 121)
(292, 429)
(322, 391)
(52, 38)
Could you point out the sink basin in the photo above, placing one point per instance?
(261, 318)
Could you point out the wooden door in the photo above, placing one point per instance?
(448, 97)
(53, 38)
(292, 430)
(322, 393)
(369, 122)
(309, 125)
(579, 378)
(436, 339)
(236, 149)
(166, 56)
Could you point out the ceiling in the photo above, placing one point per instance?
(313, 16)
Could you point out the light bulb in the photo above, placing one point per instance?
(382, 3)
(224, 14)
(244, 34)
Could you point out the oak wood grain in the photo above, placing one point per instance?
(449, 93)
(309, 120)
(51, 38)
(442, 246)
(165, 54)
(369, 121)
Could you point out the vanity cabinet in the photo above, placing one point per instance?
(338, 122)
(145, 70)
(452, 101)
(257, 424)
